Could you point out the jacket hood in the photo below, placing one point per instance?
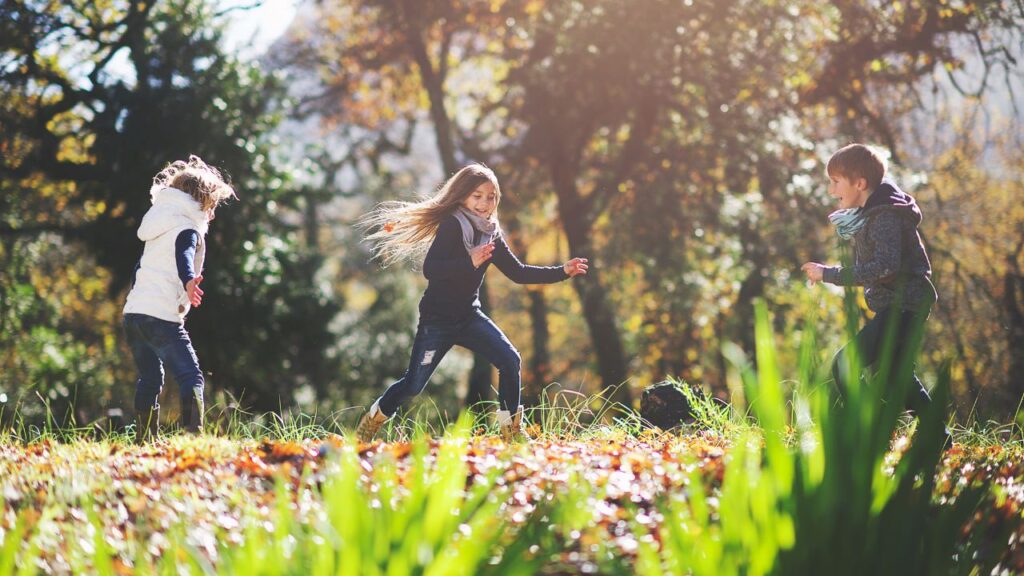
(172, 209)
(889, 196)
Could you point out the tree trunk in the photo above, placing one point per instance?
(597, 310)
(540, 360)
(1013, 288)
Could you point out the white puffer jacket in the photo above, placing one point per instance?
(158, 291)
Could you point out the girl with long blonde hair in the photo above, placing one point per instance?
(458, 230)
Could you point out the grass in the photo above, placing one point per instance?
(780, 482)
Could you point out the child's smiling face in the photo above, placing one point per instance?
(851, 193)
(482, 201)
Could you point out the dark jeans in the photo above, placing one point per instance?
(906, 339)
(435, 337)
(155, 343)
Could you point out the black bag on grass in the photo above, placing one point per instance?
(664, 405)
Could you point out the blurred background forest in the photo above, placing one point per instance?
(677, 144)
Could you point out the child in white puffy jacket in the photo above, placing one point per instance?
(166, 285)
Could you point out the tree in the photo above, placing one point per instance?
(97, 99)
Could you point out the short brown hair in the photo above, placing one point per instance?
(858, 161)
(202, 182)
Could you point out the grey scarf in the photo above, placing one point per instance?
(470, 222)
(848, 222)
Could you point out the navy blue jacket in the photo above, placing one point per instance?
(453, 284)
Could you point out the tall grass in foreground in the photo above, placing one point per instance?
(832, 503)
(414, 517)
(431, 523)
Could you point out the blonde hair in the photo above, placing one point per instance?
(858, 161)
(202, 182)
(404, 230)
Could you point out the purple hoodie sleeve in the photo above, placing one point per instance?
(884, 235)
(185, 254)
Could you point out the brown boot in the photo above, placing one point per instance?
(511, 425)
(370, 423)
(147, 425)
(192, 415)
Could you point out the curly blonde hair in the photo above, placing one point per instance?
(404, 230)
(202, 182)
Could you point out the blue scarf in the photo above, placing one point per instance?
(848, 222)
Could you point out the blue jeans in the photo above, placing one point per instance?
(435, 337)
(907, 328)
(155, 343)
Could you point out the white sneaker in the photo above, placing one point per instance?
(511, 425)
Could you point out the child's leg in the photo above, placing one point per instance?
(433, 340)
(150, 370)
(483, 336)
(868, 343)
(871, 344)
(909, 341)
(176, 350)
(173, 346)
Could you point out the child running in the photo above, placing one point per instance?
(164, 287)
(890, 263)
(460, 225)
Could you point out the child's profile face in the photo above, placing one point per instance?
(482, 201)
(850, 192)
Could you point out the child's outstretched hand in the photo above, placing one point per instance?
(195, 293)
(814, 271)
(481, 254)
(575, 267)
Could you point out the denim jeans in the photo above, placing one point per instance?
(154, 344)
(871, 344)
(435, 337)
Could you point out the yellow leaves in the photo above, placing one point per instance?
(95, 208)
(534, 7)
(622, 134)
(800, 79)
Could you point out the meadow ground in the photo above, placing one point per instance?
(787, 480)
(593, 503)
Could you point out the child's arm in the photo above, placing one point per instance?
(184, 254)
(885, 235)
(442, 260)
(521, 273)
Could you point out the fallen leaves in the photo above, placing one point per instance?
(217, 487)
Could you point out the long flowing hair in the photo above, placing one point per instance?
(399, 230)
